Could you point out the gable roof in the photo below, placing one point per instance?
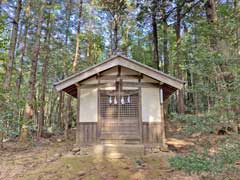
(123, 61)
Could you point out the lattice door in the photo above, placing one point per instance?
(119, 114)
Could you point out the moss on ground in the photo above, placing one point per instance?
(36, 164)
(122, 169)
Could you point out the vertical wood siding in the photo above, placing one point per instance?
(151, 132)
(86, 133)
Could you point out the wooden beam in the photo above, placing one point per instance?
(88, 86)
(141, 84)
(122, 93)
(124, 84)
(116, 77)
(70, 88)
(100, 85)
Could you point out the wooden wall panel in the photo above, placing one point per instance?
(145, 132)
(151, 132)
(86, 132)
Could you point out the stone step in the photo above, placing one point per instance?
(120, 141)
(118, 150)
(122, 136)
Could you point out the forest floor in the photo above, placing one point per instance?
(51, 159)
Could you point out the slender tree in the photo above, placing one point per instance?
(74, 65)
(116, 9)
(68, 9)
(165, 37)
(211, 14)
(180, 95)
(12, 46)
(44, 76)
(149, 14)
(155, 34)
(0, 7)
(31, 95)
(23, 47)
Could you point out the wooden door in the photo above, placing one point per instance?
(119, 115)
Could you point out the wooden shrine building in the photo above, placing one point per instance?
(120, 100)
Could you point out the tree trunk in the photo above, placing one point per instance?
(155, 36)
(165, 38)
(1, 140)
(51, 108)
(180, 94)
(61, 94)
(23, 50)
(30, 99)
(77, 38)
(236, 5)
(190, 97)
(211, 14)
(51, 102)
(76, 57)
(111, 39)
(22, 54)
(0, 7)
(20, 29)
(195, 99)
(126, 40)
(115, 34)
(44, 79)
(12, 47)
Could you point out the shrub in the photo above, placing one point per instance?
(222, 162)
(193, 123)
(190, 163)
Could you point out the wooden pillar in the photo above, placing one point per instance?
(163, 134)
(140, 110)
(78, 129)
(99, 125)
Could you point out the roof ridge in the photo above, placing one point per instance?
(119, 62)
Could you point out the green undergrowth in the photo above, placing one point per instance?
(193, 123)
(206, 123)
(222, 162)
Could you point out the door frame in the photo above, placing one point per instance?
(139, 118)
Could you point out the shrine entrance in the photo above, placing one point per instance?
(119, 115)
(120, 101)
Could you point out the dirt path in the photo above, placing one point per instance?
(52, 161)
